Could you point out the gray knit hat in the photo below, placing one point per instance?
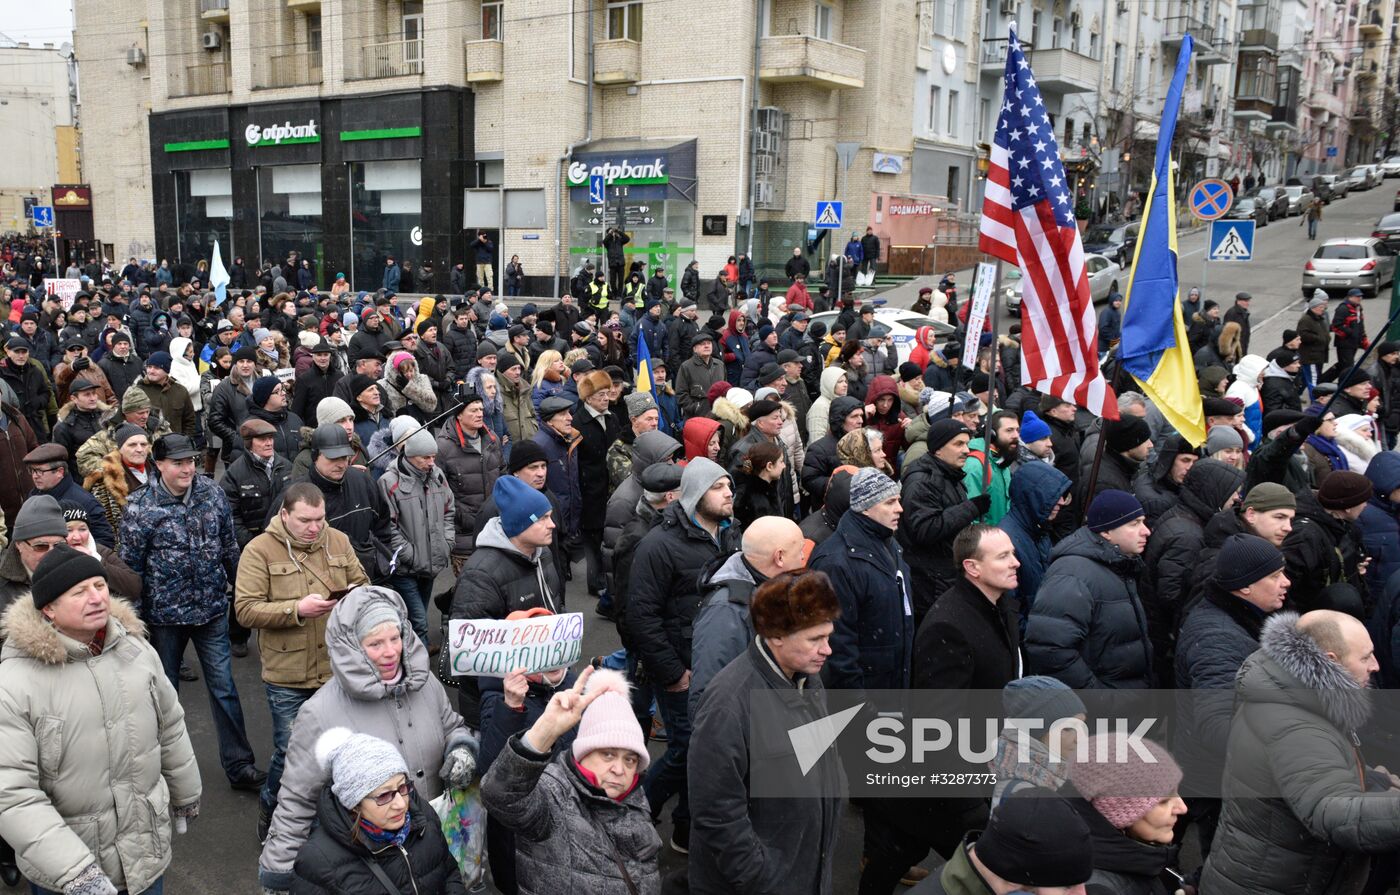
(377, 610)
(869, 487)
(420, 444)
(1221, 438)
(39, 516)
(1041, 697)
(332, 410)
(358, 764)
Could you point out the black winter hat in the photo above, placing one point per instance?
(943, 431)
(61, 568)
(523, 454)
(1126, 433)
(1342, 490)
(1245, 559)
(1037, 842)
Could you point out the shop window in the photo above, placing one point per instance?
(491, 19)
(289, 215)
(203, 213)
(386, 217)
(823, 21)
(625, 20)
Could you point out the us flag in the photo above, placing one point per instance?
(1028, 221)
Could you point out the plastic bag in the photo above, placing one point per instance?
(463, 821)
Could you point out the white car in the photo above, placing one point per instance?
(1104, 277)
(902, 322)
(1391, 166)
(1361, 177)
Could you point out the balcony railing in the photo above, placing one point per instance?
(1285, 116)
(485, 60)
(802, 59)
(291, 70)
(392, 58)
(213, 10)
(1057, 69)
(202, 80)
(617, 61)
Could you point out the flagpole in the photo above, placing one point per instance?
(991, 380)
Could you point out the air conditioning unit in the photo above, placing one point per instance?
(770, 118)
(1122, 6)
(763, 193)
(1008, 7)
(211, 40)
(763, 164)
(135, 56)
(762, 141)
(1076, 18)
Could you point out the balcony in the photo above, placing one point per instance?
(394, 58)
(617, 61)
(1367, 71)
(799, 59)
(1064, 71)
(213, 10)
(485, 61)
(1210, 48)
(202, 80)
(1285, 118)
(1326, 103)
(310, 7)
(290, 70)
(1371, 23)
(1254, 108)
(1259, 40)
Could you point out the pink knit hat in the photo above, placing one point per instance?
(1124, 791)
(398, 358)
(608, 722)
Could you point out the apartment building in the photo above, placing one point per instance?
(38, 96)
(357, 129)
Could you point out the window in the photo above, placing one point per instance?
(625, 20)
(935, 95)
(491, 19)
(1117, 65)
(823, 21)
(1035, 29)
(413, 35)
(1094, 44)
(1075, 43)
(988, 122)
(953, 172)
(953, 103)
(1055, 26)
(1069, 133)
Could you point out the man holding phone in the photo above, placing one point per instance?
(289, 578)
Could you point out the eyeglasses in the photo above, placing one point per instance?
(36, 470)
(385, 798)
(41, 547)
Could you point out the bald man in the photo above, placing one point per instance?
(723, 631)
(1296, 805)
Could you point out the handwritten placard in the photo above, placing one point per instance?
(491, 648)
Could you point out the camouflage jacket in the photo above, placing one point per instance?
(184, 549)
(619, 461)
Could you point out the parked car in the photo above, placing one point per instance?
(1114, 241)
(1391, 166)
(1388, 229)
(1365, 263)
(1247, 208)
(1396, 206)
(1105, 276)
(1274, 199)
(903, 324)
(1339, 185)
(1361, 177)
(1298, 197)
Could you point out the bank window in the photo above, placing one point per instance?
(823, 21)
(954, 100)
(625, 20)
(491, 19)
(935, 96)
(386, 209)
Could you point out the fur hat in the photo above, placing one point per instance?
(596, 381)
(791, 602)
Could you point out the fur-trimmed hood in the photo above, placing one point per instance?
(28, 634)
(1291, 668)
(69, 407)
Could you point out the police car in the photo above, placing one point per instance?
(902, 322)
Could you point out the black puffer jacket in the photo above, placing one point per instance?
(461, 344)
(1088, 627)
(251, 488)
(1116, 472)
(936, 508)
(228, 408)
(821, 460)
(1279, 391)
(470, 474)
(1153, 486)
(1323, 552)
(648, 448)
(1297, 817)
(330, 862)
(498, 579)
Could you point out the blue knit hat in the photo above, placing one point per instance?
(160, 359)
(1111, 509)
(521, 506)
(1033, 428)
(262, 389)
(1042, 697)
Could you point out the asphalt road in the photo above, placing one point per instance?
(220, 852)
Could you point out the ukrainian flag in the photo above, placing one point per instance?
(1153, 347)
(644, 380)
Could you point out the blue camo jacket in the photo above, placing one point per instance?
(186, 553)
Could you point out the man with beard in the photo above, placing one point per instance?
(662, 601)
(1006, 440)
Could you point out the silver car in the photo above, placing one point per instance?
(1342, 264)
(1339, 185)
(1105, 277)
(1298, 198)
(1362, 177)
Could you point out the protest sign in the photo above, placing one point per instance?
(491, 648)
(65, 289)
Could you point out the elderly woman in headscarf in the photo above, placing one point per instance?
(381, 685)
(410, 392)
(483, 382)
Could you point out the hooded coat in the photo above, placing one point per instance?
(936, 508)
(1322, 552)
(697, 433)
(1380, 521)
(1088, 627)
(412, 713)
(1297, 818)
(93, 752)
(648, 448)
(1279, 390)
(817, 422)
(821, 460)
(1035, 490)
(722, 626)
(1153, 486)
(888, 425)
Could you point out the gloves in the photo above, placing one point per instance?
(92, 881)
(458, 767)
(182, 816)
(1308, 424)
(983, 503)
(82, 364)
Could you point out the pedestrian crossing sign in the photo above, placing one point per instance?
(1231, 241)
(828, 215)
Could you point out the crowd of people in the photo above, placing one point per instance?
(782, 506)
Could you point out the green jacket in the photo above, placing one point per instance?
(974, 476)
(958, 876)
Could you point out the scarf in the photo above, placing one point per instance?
(138, 472)
(1039, 771)
(1328, 448)
(592, 780)
(380, 838)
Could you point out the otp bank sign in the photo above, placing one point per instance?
(274, 134)
(622, 171)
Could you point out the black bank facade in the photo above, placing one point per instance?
(346, 182)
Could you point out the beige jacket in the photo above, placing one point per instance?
(273, 575)
(93, 752)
